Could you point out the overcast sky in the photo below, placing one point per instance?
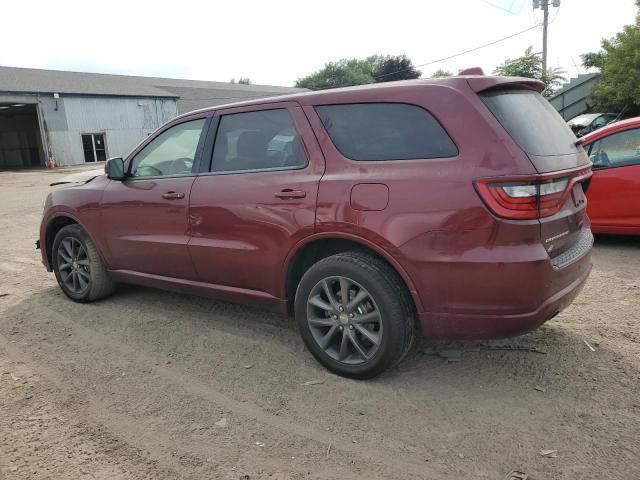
(277, 41)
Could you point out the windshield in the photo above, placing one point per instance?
(582, 120)
(531, 121)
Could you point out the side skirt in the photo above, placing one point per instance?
(219, 292)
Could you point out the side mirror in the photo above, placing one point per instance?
(114, 168)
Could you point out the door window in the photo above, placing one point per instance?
(170, 153)
(94, 147)
(261, 140)
(617, 150)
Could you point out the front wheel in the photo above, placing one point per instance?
(355, 314)
(80, 271)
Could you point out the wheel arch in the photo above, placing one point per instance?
(316, 247)
(56, 223)
(53, 226)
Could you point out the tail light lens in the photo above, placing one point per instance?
(531, 197)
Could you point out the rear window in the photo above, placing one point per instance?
(385, 131)
(531, 121)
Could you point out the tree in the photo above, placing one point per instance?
(593, 60)
(530, 66)
(553, 78)
(348, 72)
(619, 63)
(441, 74)
(393, 68)
(343, 73)
(242, 80)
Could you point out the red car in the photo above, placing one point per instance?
(366, 212)
(614, 194)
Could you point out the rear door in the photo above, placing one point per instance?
(614, 194)
(551, 146)
(258, 198)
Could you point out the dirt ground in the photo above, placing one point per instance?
(155, 385)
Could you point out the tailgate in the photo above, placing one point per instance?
(563, 167)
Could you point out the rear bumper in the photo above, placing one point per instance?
(499, 291)
(450, 326)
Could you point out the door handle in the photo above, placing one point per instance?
(173, 195)
(288, 193)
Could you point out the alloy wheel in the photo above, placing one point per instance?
(73, 265)
(344, 320)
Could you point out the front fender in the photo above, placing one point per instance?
(81, 205)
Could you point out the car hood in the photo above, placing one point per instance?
(80, 177)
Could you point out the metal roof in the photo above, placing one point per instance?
(31, 80)
(575, 83)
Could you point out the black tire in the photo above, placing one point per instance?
(96, 281)
(387, 292)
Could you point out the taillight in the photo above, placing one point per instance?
(531, 197)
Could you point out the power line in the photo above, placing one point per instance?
(463, 53)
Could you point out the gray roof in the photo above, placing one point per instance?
(576, 82)
(192, 93)
(193, 98)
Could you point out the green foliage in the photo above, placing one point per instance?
(441, 73)
(395, 68)
(343, 73)
(619, 86)
(593, 60)
(245, 80)
(348, 72)
(530, 65)
(553, 78)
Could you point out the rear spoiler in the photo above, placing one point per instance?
(483, 83)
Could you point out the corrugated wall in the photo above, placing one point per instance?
(124, 121)
(571, 100)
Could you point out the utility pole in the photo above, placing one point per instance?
(544, 5)
(545, 25)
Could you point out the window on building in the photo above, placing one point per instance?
(385, 131)
(170, 153)
(94, 146)
(260, 140)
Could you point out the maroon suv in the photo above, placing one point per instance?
(457, 202)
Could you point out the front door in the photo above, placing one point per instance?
(258, 199)
(144, 217)
(614, 194)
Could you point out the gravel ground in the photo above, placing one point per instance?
(156, 385)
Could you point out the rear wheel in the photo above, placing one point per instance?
(80, 272)
(355, 314)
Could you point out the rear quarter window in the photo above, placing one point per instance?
(385, 131)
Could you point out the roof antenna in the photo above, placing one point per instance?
(471, 71)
